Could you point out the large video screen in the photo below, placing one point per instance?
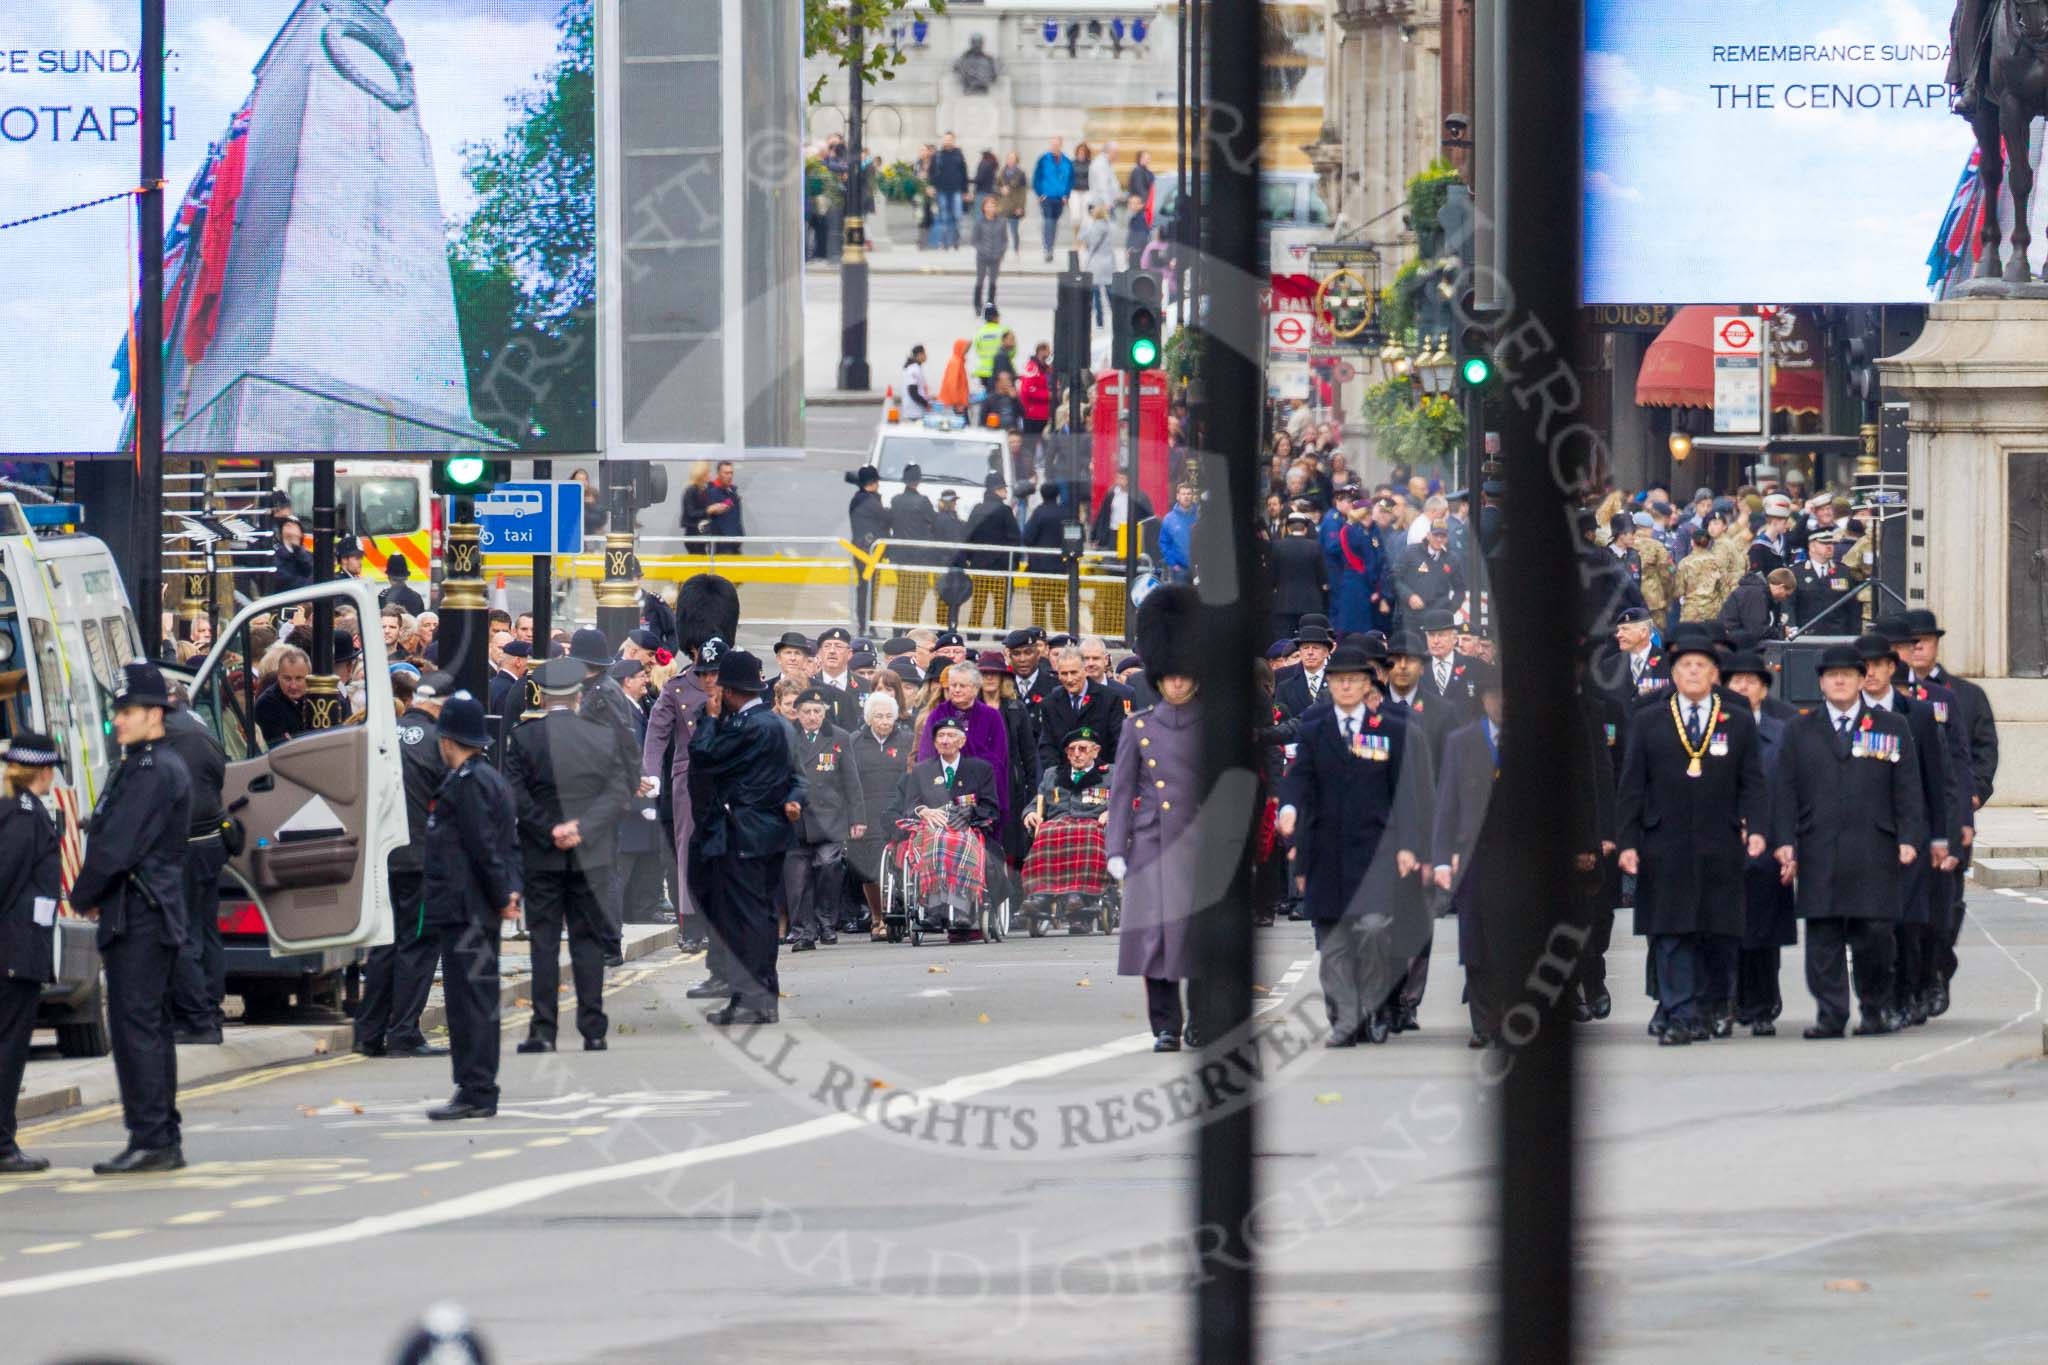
(381, 226)
(1772, 151)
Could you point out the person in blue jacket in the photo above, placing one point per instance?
(1052, 180)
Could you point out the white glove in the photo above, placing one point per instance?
(1117, 867)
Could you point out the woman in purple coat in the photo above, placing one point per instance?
(988, 738)
(1153, 797)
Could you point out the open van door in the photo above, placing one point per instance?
(321, 812)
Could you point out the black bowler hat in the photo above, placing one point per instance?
(1438, 620)
(1688, 642)
(1893, 628)
(740, 671)
(1349, 657)
(1407, 644)
(1747, 661)
(1314, 635)
(1919, 621)
(345, 647)
(1840, 656)
(142, 684)
(1873, 646)
(590, 648)
(1314, 618)
(462, 722)
(794, 639)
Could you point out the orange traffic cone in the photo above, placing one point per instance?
(889, 404)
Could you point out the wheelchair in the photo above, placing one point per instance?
(916, 906)
(1067, 883)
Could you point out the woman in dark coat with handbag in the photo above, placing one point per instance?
(881, 752)
(1154, 792)
(30, 875)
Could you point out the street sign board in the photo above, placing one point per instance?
(1288, 333)
(1738, 374)
(532, 519)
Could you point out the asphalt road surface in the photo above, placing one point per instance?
(969, 1152)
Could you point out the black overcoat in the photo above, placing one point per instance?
(1844, 813)
(1689, 831)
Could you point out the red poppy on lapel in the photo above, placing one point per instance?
(1866, 721)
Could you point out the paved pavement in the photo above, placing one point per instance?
(967, 1151)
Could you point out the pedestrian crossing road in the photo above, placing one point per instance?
(970, 1151)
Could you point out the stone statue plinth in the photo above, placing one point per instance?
(1976, 383)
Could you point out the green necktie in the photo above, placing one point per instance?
(949, 777)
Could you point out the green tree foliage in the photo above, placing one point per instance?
(525, 263)
(828, 32)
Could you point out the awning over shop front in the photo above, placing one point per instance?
(1678, 367)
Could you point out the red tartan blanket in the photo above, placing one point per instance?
(1066, 858)
(946, 861)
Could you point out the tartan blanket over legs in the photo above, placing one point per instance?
(946, 864)
(1066, 858)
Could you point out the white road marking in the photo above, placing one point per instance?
(1980, 1037)
(531, 1190)
(1284, 988)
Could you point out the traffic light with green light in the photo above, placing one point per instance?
(1134, 320)
(469, 475)
(1475, 371)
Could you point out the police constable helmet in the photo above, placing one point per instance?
(740, 671)
(462, 722)
(142, 684)
(709, 653)
(31, 750)
(590, 648)
(560, 678)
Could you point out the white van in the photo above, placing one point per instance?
(65, 630)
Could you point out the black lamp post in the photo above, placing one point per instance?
(853, 261)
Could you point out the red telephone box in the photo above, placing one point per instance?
(1154, 478)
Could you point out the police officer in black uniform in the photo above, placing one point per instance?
(133, 882)
(400, 974)
(471, 882)
(396, 572)
(31, 872)
(744, 788)
(571, 797)
(200, 981)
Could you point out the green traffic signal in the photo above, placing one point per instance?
(466, 471)
(1144, 353)
(1476, 370)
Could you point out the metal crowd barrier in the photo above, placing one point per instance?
(810, 582)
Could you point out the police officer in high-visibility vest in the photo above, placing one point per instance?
(988, 341)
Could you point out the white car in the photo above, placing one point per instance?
(960, 459)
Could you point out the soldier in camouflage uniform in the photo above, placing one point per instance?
(1703, 581)
(1658, 578)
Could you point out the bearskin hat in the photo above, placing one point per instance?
(707, 606)
(1169, 624)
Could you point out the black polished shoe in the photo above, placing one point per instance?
(462, 1109)
(1702, 1033)
(534, 1045)
(1817, 1031)
(1339, 1038)
(803, 945)
(197, 1037)
(594, 1045)
(1602, 1005)
(143, 1161)
(18, 1162)
(1582, 1013)
(1477, 1041)
(420, 1049)
(614, 959)
(1871, 1028)
(1405, 1021)
(1189, 1036)
(828, 938)
(1763, 1028)
(1676, 1035)
(1724, 1026)
(369, 1050)
(740, 1014)
(1166, 1042)
(1937, 1005)
(710, 988)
